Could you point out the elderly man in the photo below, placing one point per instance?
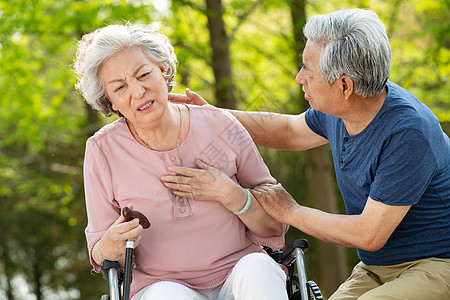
(391, 158)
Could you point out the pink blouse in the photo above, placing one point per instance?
(195, 243)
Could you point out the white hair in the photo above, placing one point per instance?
(96, 47)
(355, 44)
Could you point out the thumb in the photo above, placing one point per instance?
(190, 93)
(202, 165)
(121, 218)
(195, 98)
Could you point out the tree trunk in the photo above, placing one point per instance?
(37, 277)
(332, 258)
(221, 62)
(321, 183)
(7, 268)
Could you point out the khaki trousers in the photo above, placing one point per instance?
(425, 279)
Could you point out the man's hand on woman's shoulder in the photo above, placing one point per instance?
(190, 98)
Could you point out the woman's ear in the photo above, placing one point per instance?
(166, 78)
(106, 101)
(112, 104)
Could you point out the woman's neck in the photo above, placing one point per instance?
(162, 134)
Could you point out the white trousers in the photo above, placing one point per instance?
(256, 276)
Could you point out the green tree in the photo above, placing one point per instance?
(42, 134)
(45, 123)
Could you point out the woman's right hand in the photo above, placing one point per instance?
(190, 98)
(112, 245)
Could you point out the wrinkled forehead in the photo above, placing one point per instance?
(125, 62)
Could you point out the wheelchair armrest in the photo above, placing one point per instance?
(300, 243)
(110, 271)
(274, 253)
(106, 265)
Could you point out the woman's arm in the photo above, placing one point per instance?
(107, 231)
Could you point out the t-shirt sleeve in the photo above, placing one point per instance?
(100, 206)
(406, 167)
(251, 171)
(316, 121)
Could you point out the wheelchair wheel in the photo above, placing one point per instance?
(312, 288)
(314, 291)
(293, 288)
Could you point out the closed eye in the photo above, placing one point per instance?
(119, 88)
(144, 75)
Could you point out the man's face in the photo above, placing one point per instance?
(320, 95)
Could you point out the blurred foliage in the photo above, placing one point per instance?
(44, 123)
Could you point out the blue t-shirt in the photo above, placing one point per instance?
(401, 158)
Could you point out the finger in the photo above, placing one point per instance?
(269, 185)
(184, 170)
(270, 189)
(179, 98)
(119, 220)
(126, 227)
(175, 179)
(177, 186)
(261, 190)
(190, 94)
(133, 233)
(195, 98)
(184, 194)
(202, 165)
(208, 169)
(260, 196)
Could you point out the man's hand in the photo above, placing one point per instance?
(276, 201)
(190, 98)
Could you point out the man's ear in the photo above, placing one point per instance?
(346, 85)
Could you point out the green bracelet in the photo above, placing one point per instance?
(247, 204)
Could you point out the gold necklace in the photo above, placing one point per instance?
(179, 132)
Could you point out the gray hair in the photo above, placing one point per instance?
(355, 44)
(96, 47)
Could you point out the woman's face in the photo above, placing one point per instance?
(135, 86)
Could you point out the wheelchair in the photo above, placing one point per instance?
(292, 257)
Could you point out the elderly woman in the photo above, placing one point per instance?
(207, 246)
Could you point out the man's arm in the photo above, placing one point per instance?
(279, 131)
(273, 130)
(369, 230)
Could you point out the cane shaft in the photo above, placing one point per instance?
(127, 271)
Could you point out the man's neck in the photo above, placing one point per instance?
(362, 112)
